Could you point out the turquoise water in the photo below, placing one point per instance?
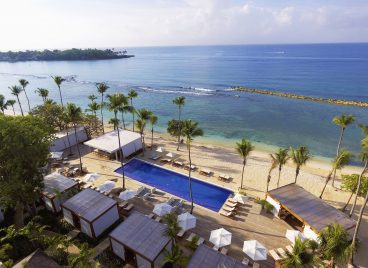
(205, 74)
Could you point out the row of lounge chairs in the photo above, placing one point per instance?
(280, 253)
(229, 208)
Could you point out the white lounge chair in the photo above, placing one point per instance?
(205, 172)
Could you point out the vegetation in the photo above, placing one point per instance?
(16, 90)
(3, 104)
(74, 115)
(244, 148)
(58, 55)
(180, 102)
(153, 120)
(350, 183)
(132, 94)
(274, 164)
(173, 126)
(143, 116)
(267, 206)
(102, 88)
(280, 158)
(303, 254)
(300, 157)
(24, 83)
(43, 93)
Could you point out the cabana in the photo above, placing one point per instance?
(108, 143)
(310, 214)
(61, 141)
(205, 256)
(91, 212)
(37, 259)
(140, 239)
(57, 189)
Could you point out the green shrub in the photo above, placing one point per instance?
(265, 205)
(58, 255)
(193, 243)
(108, 259)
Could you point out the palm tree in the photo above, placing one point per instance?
(74, 115)
(280, 157)
(92, 97)
(244, 148)
(141, 125)
(115, 101)
(180, 102)
(172, 227)
(11, 103)
(114, 122)
(335, 244)
(191, 131)
(43, 93)
(16, 90)
(153, 120)
(143, 115)
(300, 157)
(364, 158)
(340, 161)
(24, 83)
(94, 107)
(132, 94)
(124, 108)
(102, 88)
(3, 104)
(303, 254)
(83, 259)
(174, 257)
(274, 164)
(58, 81)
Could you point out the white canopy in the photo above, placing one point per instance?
(162, 209)
(293, 234)
(127, 194)
(220, 238)
(187, 221)
(106, 186)
(56, 155)
(242, 199)
(255, 250)
(91, 177)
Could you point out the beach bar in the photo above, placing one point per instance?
(108, 144)
(140, 240)
(57, 189)
(304, 211)
(65, 140)
(91, 212)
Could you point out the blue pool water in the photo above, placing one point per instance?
(204, 194)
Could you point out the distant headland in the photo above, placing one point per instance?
(301, 97)
(63, 55)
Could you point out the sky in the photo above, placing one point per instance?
(39, 24)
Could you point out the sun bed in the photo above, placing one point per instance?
(205, 172)
(228, 209)
(232, 201)
(281, 252)
(158, 219)
(224, 177)
(232, 205)
(171, 201)
(151, 215)
(289, 248)
(166, 160)
(178, 164)
(155, 157)
(193, 167)
(181, 233)
(224, 251)
(145, 196)
(129, 207)
(226, 213)
(274, 255)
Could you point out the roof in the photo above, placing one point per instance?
(142, 235)
(205, 256)
(70, 131)
(89, 204)
(37, 259)
(109, 141)
(55, 182)
(311, 209)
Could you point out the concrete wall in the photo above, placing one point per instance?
(61, 142)
(105, 221)
(118, 249)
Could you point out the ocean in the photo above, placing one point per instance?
(205, 75)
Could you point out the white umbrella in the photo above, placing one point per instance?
(127, 194)
(56, 155)
(220, 238)
(187, 221)
(293, 234)
(159, 150)
(255, 250)
(106, 186)
(240, 198)
(162, 209)
(91, 177)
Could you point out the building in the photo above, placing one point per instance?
(57, 189)
(108, 143)
(139, 239)
(37, 259)
(91, 212)
(61, 141)
(304, 211)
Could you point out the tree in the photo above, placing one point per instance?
(180, 102)
(153, 120)
(143, 115)
(175, 257)
(274, 164)
(172, 227)
(280, 157)
(303, 254)
(350, 183)
(115, 101)
(24, 83)
(124, 108)
(24, 150)
(243, 148)
(141, 125)
(92, 98)
(300, 157)
(173, 126)
(74, 115)
(58, 81)
(43, 93)
(335, 244)
(132, 94)
(11, 103)
(16, 90)
(102, 88)
(51, 114)
(191, 131)
(342, 121)
(340, 161)
(3, 104)
(93, 107)
(114, 122)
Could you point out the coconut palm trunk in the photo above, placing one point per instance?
(131, 104)
(121, 151)
(122, 119)
(326, 182)
(77, 142)
(358, 188)
(348, 202)
(25, 93)
(20, 105)
(13, 109)
(190, 180)
(179, 130)
(102, 119)
(241, 184)
(278, 179)
(296, 174)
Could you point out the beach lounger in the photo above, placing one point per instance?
(123, 204)
(151, 215)
(228, 209)
(181, 233)
(232, 201)
(191, 236)
(140, 191)
(166, 160)
(129, 207)
(158, 219)
(205, 172)
(155, 157)
(226, 213)
(274, 255)
(224, 177)
(171, 201)
(232, 205)
(289, 248)
(178, 164)
(145, 196)
(153, 190)
(224, 251)
(200, 241)
(245, 261)
(281, 252)
(193, 167)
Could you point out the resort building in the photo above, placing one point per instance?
(37, 259)
(205, 257)
(91, 212)
(139, 241)
(108, 144)
(304, 211)
(57, 189)
(62, 142)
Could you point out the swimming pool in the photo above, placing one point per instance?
(204, 194)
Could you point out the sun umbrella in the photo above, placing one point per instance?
(159, 150)
(106, 186)
(162, 209)
(127, 194)
(56, 155)
(220, 238)
(187, 221)
(91, 177)
(255, 250)
(240, 198)
(293, 234)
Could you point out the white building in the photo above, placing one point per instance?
(91, 212)
(61, 142)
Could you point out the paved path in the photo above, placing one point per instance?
(97, 250)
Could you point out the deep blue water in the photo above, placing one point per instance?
(204, 74)
(204, 194)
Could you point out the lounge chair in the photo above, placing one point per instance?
(228, 209)
(153, 190)
(200, 241)
(181, 233)
(129, 207)
(155, 157)
(151, 215)
(274, 255)
(171, 201)
(166, 160)
(191, 236)
(232, 201)
(192, 167)
(226, 213)
(158, 219)
(281, 252)
(178, 164)
(205, 172)
(245, 261)
(140, 191)
(224, 177)
(289, 248)
(224, 251)
(145, 196)
(232, 205)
